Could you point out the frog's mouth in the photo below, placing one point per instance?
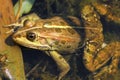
(35, 44)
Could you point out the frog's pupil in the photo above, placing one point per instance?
(31, 36)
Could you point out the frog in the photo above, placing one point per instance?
(55, 36)
(48, 35)
(96, 52)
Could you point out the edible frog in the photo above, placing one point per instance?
(56, 36)
(96, 52)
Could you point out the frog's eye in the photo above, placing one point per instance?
(31, 36)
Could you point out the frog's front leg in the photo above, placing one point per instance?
(61, 63)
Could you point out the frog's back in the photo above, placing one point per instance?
(61, 39)
(61, 36)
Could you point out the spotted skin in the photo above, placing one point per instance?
(56, 36)
(95, 56)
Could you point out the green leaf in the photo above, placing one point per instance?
(26, 7)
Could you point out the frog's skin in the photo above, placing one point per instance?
(96, 52)
(42, 34)
(55, 36)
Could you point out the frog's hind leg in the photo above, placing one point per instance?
(106, 10)
(96, 55)
(61, 63)
(113, 67)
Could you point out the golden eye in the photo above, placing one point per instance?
(31, 36)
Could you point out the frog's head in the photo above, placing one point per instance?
(38, 35)
(49, 40)
(62, 39)
(30, 38)
(27, 35)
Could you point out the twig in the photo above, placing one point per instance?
(32, 70)
(19, 9)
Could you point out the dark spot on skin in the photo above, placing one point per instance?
(85, 61)
(19, 35)
(62, 23)
(56, 42)
(63, 42)
(59, 45)
(88, 50)
(68, 46)
(58, 30)
(71, 31)
(93, 43)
